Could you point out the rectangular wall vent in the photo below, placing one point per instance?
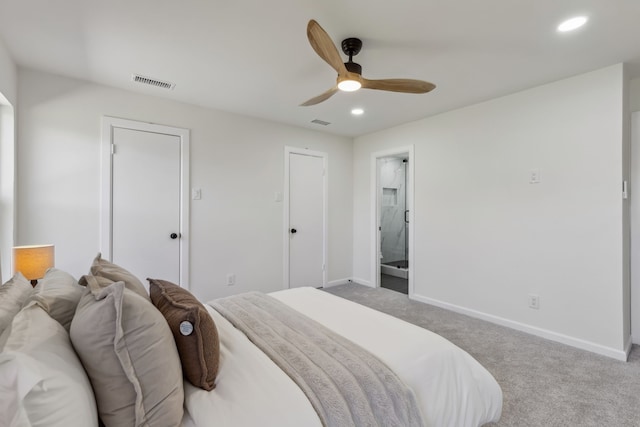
(320, 122)
(153, 82)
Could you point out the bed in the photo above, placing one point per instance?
(452, 388)
(449, 386)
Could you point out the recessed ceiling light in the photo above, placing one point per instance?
(357, 111)
(572, 24)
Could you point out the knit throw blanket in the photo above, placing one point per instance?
(346, 384)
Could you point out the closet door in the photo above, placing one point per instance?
(306, 209)
(146, 228)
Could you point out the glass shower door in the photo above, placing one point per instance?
(393, 213)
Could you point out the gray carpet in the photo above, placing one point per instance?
(543, 383)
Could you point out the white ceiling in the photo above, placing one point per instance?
(252, 56)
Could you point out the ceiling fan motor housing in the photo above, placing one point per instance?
(352, 67)
(351, 47)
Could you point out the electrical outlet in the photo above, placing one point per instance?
(231, 279)
(534, 301)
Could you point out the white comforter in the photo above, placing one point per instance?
(451, 387)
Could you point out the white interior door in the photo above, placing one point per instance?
(146, 203)
(147, 224)
(306, 228)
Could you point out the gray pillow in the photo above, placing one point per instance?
(103, 268)
(13, 295)
(58, 293)
(130, 356)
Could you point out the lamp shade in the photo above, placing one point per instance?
(33, 261)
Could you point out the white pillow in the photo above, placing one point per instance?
(58, 293)
(13, 294)
(42, 382)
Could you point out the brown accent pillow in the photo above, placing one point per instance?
(103, 268)
(193, 329)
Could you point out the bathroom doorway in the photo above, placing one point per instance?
(394, 222)
(393, 172)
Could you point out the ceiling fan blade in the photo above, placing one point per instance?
(323, 97)
(399, 85)
(324, 47)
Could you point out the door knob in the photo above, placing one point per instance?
(173, 235)
(294, 231)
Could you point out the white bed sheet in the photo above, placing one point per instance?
(250, 391)
(451, 387)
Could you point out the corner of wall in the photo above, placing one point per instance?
(8, 76)
(634, 94)
(626, 205)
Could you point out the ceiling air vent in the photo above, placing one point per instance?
(320, 122)
(153, 82)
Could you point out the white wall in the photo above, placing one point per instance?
(634, 94)
(8, 87)
(485, 237)
(8, 75)
(7, 187)
(634, 101)
(626, 208)
(237, 161)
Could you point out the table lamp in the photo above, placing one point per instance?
(33, 261)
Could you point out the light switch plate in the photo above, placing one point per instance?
(534, 176)
(196, 194)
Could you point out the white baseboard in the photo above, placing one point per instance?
(337, 282)
(544, 333)
(347, 281)
(627, 347)
(362, 282)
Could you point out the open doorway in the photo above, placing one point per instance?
(393, 208)
(394, 223)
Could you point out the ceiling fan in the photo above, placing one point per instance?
(349, 73)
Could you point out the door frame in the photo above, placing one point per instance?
(106, 185)
(376, 199)
(634, 232)
(325, 209)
